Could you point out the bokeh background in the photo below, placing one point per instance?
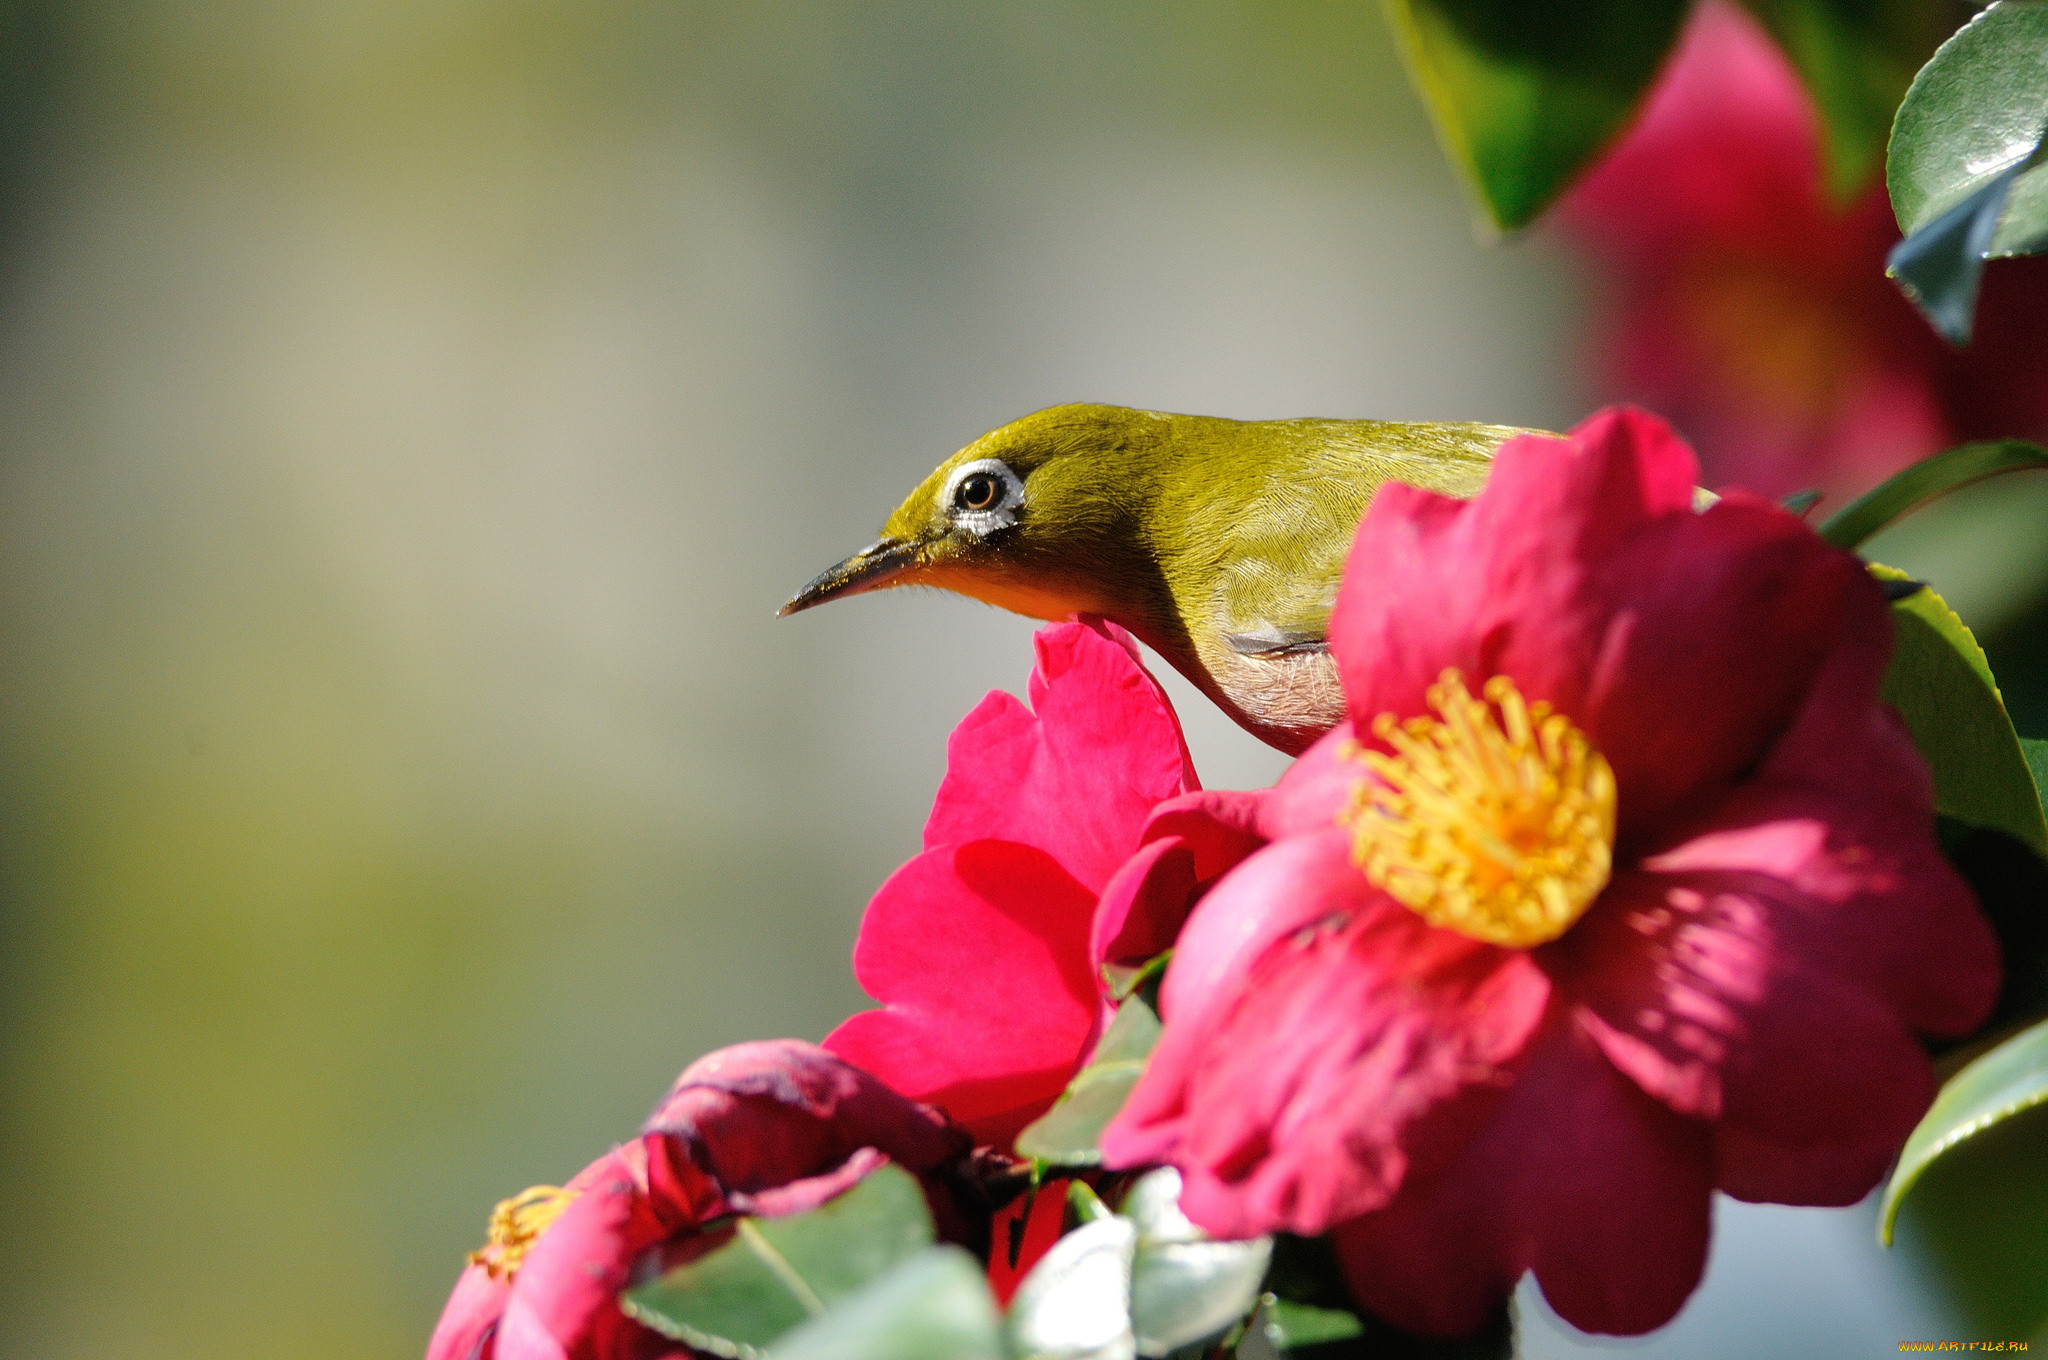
(411, 415)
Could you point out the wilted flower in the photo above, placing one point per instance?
(1754, 311)
(1064, 836)
(767, 1129)
(1618, 886)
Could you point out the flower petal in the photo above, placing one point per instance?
(1681, 643)
(1291, 1088)
(1145, 903)
(761, 1116)
(1767, 969)
(469, 1321)
(1220, 826)
(1576, 1175)
(1188, 842)
(1316, 788)
(564, 1300)
(1078, 777)
(980, 956)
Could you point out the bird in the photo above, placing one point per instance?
(1217, 543)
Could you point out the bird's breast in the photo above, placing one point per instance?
(1288, 698)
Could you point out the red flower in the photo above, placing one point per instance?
(1618, 886)
(1064, 835)
(1756, 313)
(764, 1129)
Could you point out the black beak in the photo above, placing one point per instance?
(871, 568)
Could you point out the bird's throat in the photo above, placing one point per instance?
(1036, 600)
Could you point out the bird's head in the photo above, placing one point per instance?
(1021, 518)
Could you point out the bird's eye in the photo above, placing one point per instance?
(978, 491)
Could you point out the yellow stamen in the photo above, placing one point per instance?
(1495, 820)
(515, 1224)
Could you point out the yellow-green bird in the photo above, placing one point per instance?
(1218, 543)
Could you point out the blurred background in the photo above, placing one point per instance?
(412, 414)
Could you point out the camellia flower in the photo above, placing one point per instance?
(765, 1129)
(1755, 312)
(1065, 835)
(1618, 886)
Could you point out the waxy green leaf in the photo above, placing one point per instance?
(1942, 686)
(1076, 1302)
(1965, 167)
(1184, 1287)
(1927, 480)
(1070, 1133)
(1857, 60)
(2036, 754)
(936, 1303)
(1142, 1281)
(778, 1273)
(2009, 1079)
(1525, 95)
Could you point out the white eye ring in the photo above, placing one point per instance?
(989, 518)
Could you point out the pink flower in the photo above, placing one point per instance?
(764, 1129)
(1756, 312)
(1618, 886)
(1064, 836)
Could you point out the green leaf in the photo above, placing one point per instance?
(1857, 58)
(1964, 167)
(777, 1273)
(1524, 95)
(1143, 1281)
(1186, 1288)
(935, 1303)
(1925, 481)
(1976, 1226)
(1076, 1302)
(2010, 1078)
(1942, 686)
(1070, 1133)
(2036, 754)
(1290, 1326)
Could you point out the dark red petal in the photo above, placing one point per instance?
(806, 1194)
(1689, 989)
(759, 1115)
(979, 954)
(1576, 1175)
(1220, 826)
(1291, 1096)
(1768, 968)
(1078, 778)
(1145, 903)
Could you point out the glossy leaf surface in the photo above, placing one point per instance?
(1524, 96)
(1070, 1133)
(778, 1273)
(1927, 480)
(1289, 1326)
(936, 1303)
(2009, 1079)
(1965, 168)
(1942, 686)
(1184, 1287)
(1076, 1302)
